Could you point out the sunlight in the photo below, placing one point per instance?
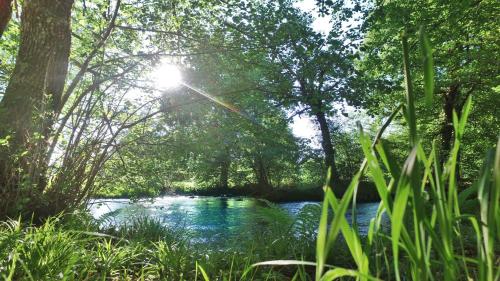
(166, 76)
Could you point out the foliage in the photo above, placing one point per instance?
(430, 223)
(79, 117)
(465, 53)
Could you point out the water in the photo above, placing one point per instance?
(208, 218)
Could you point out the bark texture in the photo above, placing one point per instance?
(327, 145)
(225, 164)
(31, 99)
(5, 14)
(261, 172)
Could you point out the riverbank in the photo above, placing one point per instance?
(367, 193)
(74, 247)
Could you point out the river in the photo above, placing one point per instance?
(211, 218)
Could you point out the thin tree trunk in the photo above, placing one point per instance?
(224, 172)
(451, 102)
(33, 93)
(326, 143)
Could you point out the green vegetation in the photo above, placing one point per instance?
(430, 219)
(73, 247)
(88, 108)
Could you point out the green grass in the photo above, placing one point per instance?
(434, 234)
(74, 247)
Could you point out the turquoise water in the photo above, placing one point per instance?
(211, 218)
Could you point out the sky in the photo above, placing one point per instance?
(320, 24)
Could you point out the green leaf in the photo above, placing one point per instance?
(410, 99)
(350, 235)
(485, 208)
(286, 262)
(343, 272)
(428, 64)
(203, 273)
(495, 196)
(400, 205)
(321, 250)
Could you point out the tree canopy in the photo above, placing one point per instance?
(84, 110)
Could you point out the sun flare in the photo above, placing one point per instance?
(166, 76)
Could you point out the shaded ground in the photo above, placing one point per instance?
(366, 193)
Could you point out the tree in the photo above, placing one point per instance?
(306, 72)
(34, 93)
(466, 52)
(5, 14)
(67, 130)
(224, 133)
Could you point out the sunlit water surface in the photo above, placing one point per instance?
(207, 218)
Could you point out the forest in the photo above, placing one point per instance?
(249, 140)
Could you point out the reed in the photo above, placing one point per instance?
(432, 236)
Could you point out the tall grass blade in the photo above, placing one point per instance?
(287, 262)
(428, 63)
(339, 272)
(376, 172)
(203, 273)
(321, 242)
(351, 237)
(410, 100)
(484, 192)
(495, 210)
(400, 205)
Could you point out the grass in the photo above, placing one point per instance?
(433, 235)
(74, 247)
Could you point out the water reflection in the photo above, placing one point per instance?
(206, 218)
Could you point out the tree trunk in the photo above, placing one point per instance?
(451, 102)
(224, 172)
(33, 94)
(5, 14)
(326, 143)
(261, 173)
(447, 131)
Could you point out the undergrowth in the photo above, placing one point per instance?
(434, 233)
(75, 247)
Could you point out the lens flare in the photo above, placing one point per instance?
(166, 76)
(226, 105)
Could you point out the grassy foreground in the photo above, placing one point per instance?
(74, 247)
